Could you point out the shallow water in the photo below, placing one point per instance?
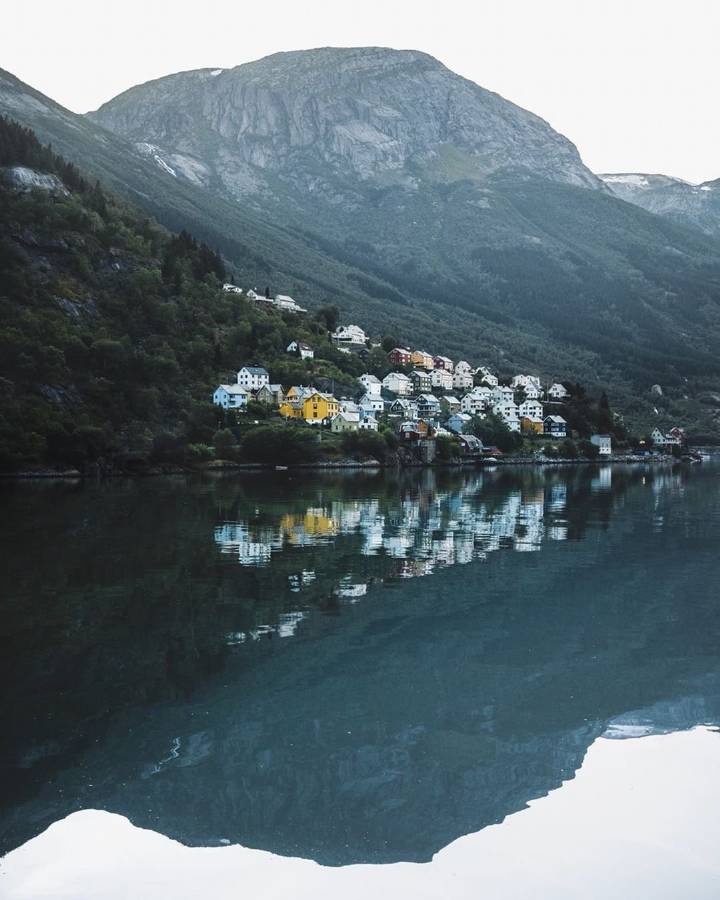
(363, 669)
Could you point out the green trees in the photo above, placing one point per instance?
(493, 432)
(280, 444)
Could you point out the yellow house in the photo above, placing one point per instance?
(422, 359)
(291, 409)
(319, 406)
(529, 425)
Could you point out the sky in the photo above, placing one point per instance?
(634, 84)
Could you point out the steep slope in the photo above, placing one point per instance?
(424, 207)
(689, 204)
(453, 196)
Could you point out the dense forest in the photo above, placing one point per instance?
(114, 332)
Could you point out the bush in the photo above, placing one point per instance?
(493, 432)
(280, 444)
(225, 444)
(568, 449)
(365, 443)
(588, 450)
(446, 447)
(199, 453)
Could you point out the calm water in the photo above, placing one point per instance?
(361, 669)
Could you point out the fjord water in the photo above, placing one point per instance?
(359, 668)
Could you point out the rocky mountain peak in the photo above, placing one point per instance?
(367, 113)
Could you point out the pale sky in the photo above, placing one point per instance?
(634, 83)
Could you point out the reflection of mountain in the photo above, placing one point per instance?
(436, 706)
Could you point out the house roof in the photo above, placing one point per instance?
(233, 388)
(558, 420)
(255, 370)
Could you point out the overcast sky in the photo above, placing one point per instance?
(635, 84)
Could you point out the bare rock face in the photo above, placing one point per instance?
(365, 113)
(22, 178)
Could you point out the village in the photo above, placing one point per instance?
(422, 397)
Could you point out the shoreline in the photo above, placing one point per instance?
(343, 465)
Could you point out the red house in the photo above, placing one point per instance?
(399, 356)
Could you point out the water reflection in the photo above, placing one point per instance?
(397, 713)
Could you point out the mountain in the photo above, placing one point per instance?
(365, 113)
(422, 205)
(689, 204)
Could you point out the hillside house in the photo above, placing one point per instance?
(372, 402)
(428, 406)
(231, 396)
(304, 351)
(422, 359)
(459, 423)
(462, 381)
(555, 426)
(477, 401)
(450, 404)
(486, 376)
(287, 304)
(400, 356)
(603, 442)
(557, 391)
(398, 383)
(421, 381)
(508, 412)
(232, 289)
(441, 379)
(531, 425)
(314, 408)
(252, 378)
(502, 394)
(470, 445)
(351, 337)
(270, 394)
(345, 421)
(525, 381)
(406, 409)
(533, 409)
(673, 438)
(444, 363)
(371, 383)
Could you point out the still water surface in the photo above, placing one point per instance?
(363, 671)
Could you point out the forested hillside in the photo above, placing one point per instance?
(113, 331)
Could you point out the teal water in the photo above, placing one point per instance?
(348, 668)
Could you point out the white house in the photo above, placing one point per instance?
(304, 351)
(349, 336)
(508, 412)
(231, 396)
(232, 289)
(557, 391)
(442, 379)
(345, 421)
(533, 409)
(253, 377)
(603, 442)
(459, 423)
(502, 394)
(525, 381)
(486, 376)
(398, 383)
(532, 392)
(476, 402)
(372, 402)
(665, 440)
(464, 366)
(371, 383)
(282, 301)
(462, 381)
